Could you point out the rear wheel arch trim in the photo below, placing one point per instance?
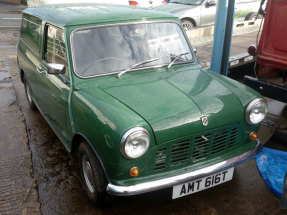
(75, 145)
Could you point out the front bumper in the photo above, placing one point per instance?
(183, 178)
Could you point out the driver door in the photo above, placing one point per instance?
(56, 87)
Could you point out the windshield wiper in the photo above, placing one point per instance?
(136, 65)
(177, 57)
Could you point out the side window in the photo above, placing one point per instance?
(31, 31)
(55, 49)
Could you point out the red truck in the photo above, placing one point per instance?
(271, 53)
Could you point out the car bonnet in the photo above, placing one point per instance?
(174, 101)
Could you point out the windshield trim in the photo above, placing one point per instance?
(185, 3)
(125, 23)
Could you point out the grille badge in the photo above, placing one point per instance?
(204, 120)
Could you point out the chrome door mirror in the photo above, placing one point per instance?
(210, 3)
(55, 69)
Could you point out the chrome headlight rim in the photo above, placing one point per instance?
(125, 138)
(249, 108)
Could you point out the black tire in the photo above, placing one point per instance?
(92, 176)
(187, 24)
(28, 95)
(253, 16)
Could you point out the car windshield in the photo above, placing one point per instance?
(112, 49)
(193, 2)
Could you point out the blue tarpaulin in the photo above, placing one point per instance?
(272, 165)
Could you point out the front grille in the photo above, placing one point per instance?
(199, 147)
(179, 152)
(219, 141)
(233, 137)
(160, 159)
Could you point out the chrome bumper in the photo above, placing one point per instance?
(183, 178)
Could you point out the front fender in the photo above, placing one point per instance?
(103, 120)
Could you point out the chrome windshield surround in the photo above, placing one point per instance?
(125, 23)
(183, 178)
(249, 107)
(126, 135)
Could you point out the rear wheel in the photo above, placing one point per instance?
(187, 24)
(92, 176)
(253, 17)
(28, 95)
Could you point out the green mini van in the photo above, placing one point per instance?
(124, 92)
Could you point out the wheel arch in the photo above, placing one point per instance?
(249, 15)
(189, 19)
(78, 138)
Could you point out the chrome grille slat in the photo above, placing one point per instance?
(179, 152)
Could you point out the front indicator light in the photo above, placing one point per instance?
(253, 136)
(134, 171)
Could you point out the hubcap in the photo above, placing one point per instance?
(88, 173)
(187, 26)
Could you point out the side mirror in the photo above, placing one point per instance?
(210, 3)
(55, 69)
(194, 50)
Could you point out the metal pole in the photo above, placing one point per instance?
(222, 36)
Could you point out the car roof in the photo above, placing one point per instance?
(83, 14)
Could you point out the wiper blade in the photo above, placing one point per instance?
(177, 57)
(135, 66)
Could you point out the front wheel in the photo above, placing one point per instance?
(92, 176)
(187, 24)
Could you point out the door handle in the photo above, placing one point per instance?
(40, 70)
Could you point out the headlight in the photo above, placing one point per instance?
(256, 111)
(135, 143)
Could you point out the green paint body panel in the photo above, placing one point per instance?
(168, 103)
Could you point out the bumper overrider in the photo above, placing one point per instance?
(183, 178)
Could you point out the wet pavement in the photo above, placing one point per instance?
(43, 178)
(18, 188)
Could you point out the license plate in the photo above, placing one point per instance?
(202, 184)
